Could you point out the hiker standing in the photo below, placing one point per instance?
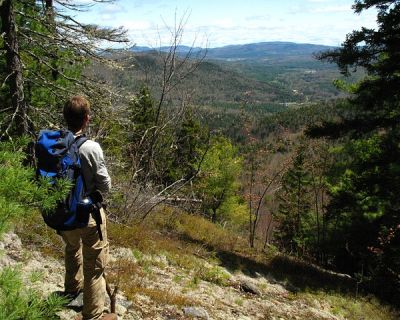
(86, 249)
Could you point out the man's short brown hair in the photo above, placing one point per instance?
(75, 110)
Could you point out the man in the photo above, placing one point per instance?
(86, 254)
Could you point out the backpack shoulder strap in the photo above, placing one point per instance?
(80, 140)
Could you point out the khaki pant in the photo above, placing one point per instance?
(85, 260)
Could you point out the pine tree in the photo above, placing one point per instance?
(365, 204)
(218, 182)
(191, 142)
(295, 205)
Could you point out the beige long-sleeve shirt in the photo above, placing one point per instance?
(94, 168)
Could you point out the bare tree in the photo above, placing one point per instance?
(175, 68)
(273, 180)
(143, 188)
(320, 162)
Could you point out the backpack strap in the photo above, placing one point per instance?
(80, 140)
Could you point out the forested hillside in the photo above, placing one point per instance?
(273, 72)
(276, 163)
(211, 83)
(286, 66)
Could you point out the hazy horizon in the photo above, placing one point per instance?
(240, 44)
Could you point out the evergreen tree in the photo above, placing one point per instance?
(191, 142)
(375, 100)
(295, 205)
(364, 211)
(151, 158)
(218, 183)
(142, 115)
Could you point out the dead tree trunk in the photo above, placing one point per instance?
(14, 69)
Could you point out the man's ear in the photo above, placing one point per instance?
(86, 120)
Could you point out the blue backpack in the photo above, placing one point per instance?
(57, 154)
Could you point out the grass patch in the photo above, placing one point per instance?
(33, 232)
(184, 261)
(123, 271)
(137, 254)
(160, 296)
(239, 302)
(193, 283)
(178, 278)
(180, 236)
(213, 274)
(131, 278)
(352, 308)
(18, 302)
(36, 275)
(198, 229)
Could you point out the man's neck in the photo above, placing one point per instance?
(79, 132)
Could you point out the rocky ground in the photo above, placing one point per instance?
(163, 290)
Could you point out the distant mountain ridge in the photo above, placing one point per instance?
(251, 51)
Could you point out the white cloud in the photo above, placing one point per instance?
(311, 21)
(142, 3)
(137, 25)
(258, 18)
(220, 34)
(112, 9)
(82, 2)
(224, 23)
(332, 9)
(318, 1)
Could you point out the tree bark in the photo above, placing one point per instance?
(50, 10)
(214, 215)
(14, 68)
(251, 226)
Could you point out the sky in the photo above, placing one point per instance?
(216, 23)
